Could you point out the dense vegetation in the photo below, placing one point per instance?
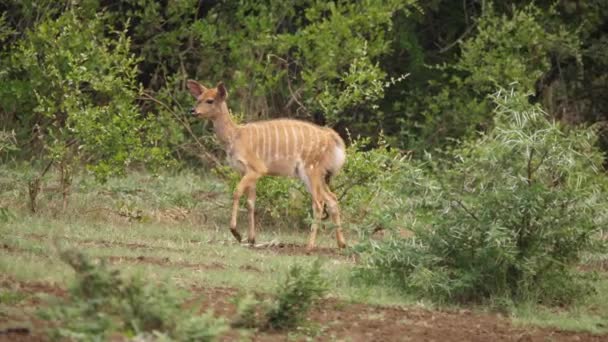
(476, 129)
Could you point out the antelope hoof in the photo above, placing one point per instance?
(251, 241)
(236, 235)
(341, 244)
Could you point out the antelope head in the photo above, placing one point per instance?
(209, 101)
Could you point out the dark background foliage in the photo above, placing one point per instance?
(332, 62)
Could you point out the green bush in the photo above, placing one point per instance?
(331, 62)
(294, 298)
(248, 311)
(506, 215)
(102, 302)
(78, 105)
(288, 306)
(8, 142)
(513, 48)
(6, 215)
(367, 186)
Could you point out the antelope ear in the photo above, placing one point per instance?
(196, 89)
(222, 93)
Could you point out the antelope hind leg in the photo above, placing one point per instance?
(334, 212)
(317, 210)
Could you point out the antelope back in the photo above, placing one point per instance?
(284, 146)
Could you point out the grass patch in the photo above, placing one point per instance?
(11, 297)
(198, 250)
(590, 315)
(103, 302)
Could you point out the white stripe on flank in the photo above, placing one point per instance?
(294, 134)
(286, 143)
(313, 145)
(276, 143)
(253, 137)
(263, 151)
(305, 144)
(268, 143)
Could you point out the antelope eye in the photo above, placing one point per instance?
(209, 101)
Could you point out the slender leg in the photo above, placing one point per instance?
(248, 180)
(317, 210)
(334, 213)
(316, 191)
(251, 213)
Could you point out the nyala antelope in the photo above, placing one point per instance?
(280, 147)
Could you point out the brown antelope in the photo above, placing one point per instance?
(280, 147)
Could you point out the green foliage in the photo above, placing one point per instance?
(8, 142)
(6, 215)
(290, 303)
(248, 312)
(515, 48)
(9, 297)
(330, 62)
(298, 60)
(80, 94)
(102, 302)
(506, 215)
(293, 299)
(368, 183)
(361, 85)
(508, 49)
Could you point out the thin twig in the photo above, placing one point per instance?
(458, 201)
(294, 94)
(529, 168)
(458, 40)
(185, 125)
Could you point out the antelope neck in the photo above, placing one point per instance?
(224, 126)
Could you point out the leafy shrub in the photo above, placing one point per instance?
(370, 184)
(506, 215)
(8, 142)
(102, 302)
(248, 312)
(6, 215)
(521, 36)
(80, 91)
(512, 48)
(293, 299)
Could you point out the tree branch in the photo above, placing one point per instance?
(458, 40)
(208, 155)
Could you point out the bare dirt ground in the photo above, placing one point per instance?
(282, 248)
(329, 320)
(337, 320)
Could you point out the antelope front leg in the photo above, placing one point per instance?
(235, 209)
(248, 180)
(251, 213)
